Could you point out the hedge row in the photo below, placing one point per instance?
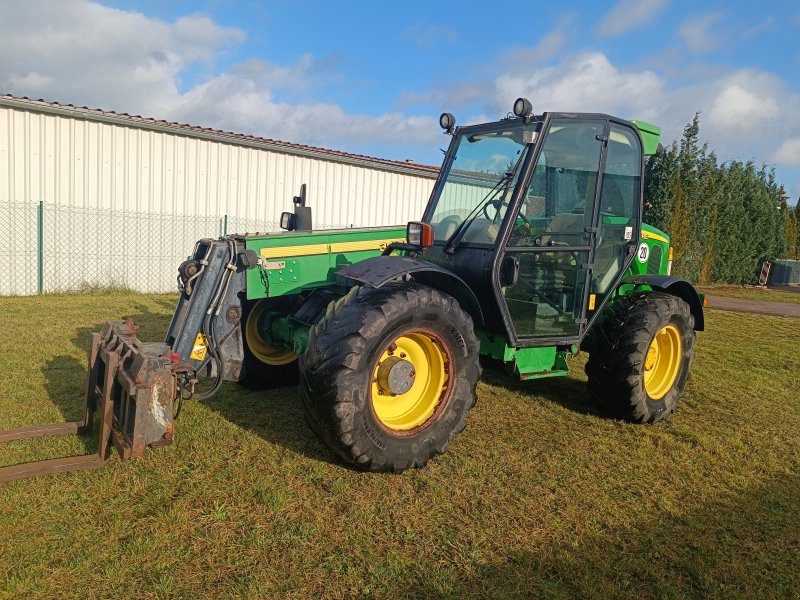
(724, 219)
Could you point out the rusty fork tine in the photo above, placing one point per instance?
(148, 391)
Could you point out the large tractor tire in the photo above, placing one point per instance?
(640, 355)
(264, 365)
(390, 375)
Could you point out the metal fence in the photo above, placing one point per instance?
(785, 272)
(52, 248)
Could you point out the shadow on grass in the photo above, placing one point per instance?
(741, 544)
(564, 391)
(275, 415)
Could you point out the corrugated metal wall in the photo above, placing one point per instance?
(84, 163)
(77, 164)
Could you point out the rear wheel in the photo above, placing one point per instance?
(390, 375)
(640, 355)
(265, 365)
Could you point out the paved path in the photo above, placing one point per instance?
(764, 307)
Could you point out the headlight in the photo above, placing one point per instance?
(419, 234)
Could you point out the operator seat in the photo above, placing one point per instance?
(446, 227)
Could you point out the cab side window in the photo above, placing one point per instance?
(619, 203)
(560, 198)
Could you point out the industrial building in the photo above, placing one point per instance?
(95, 198)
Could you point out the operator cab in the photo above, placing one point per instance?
(539, 215)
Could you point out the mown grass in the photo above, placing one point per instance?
(541, 496)
(752, 293)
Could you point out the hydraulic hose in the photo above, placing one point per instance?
(209, 330)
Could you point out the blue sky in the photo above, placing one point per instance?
(372, 77)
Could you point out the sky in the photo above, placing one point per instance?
(373, 77)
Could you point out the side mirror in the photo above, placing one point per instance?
(509, 271)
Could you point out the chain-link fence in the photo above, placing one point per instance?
(18, 248)
(51, 248)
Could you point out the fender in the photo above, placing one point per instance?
(677, 287)
(379, 270)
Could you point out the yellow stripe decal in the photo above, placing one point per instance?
(316, 249)
(361, 246)
(654, 236)
(284, 251)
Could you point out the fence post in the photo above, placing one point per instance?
(225, 225)
(40, 248)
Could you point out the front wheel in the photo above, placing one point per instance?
(640, 355)
(390, 375)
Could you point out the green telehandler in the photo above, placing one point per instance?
(531, 247)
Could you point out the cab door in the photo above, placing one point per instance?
(568, 246)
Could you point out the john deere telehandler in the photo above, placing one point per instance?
(531, 247)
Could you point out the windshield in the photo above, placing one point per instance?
(479, 184)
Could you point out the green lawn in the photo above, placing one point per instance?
(541, 496)
(751, 293)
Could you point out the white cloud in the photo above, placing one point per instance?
(85, 53)
(449, 96)
(587, 82)
(547, 47)
(32, 80)
(428, 36)
(628, 14)
(696, 32)
(80, 52)
(745, 113)
(742, 105)
(243, 104)
(788, 153)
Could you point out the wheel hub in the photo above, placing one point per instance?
(410, 380)
(395, 376)
(652, 356)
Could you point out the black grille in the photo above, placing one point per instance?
(654, 260)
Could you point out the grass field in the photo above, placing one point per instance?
(751, 293)
(541, 496)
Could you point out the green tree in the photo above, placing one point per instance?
(724, 219)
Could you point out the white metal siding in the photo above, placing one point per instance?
(82, 163)
(125, 203)
(89, 170)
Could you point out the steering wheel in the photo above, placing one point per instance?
(496, 204)
(536, 241)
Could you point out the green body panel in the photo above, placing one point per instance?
(651, 135)
(528, 363)
(657, 243)
(311, 259)
(300, 260)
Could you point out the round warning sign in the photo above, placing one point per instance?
(643, 252)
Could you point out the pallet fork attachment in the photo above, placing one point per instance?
(131, 386)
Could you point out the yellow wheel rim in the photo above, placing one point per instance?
(266, 353)
(662, 363)
(410, 380)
